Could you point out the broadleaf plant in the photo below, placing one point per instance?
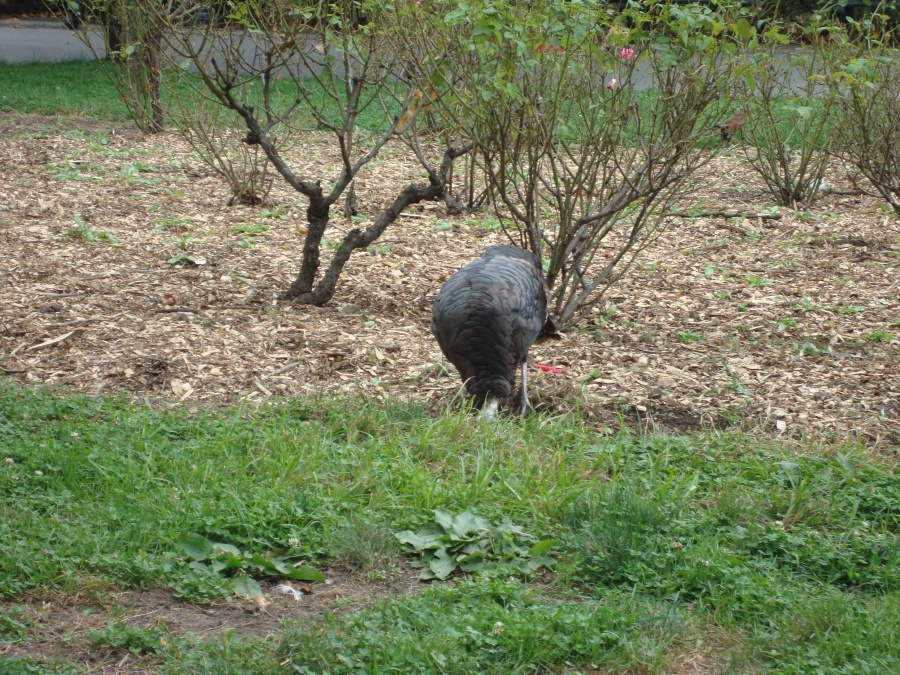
(471, 543)
(225, 558)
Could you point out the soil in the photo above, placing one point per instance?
(60, 627)
(176, 299)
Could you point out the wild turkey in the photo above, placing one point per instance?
(485, 319)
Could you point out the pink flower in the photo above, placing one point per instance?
(627, 53)
(611, 84)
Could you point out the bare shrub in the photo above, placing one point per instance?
(216, 135)
(865, 78)
(788, 113)
(588, 124)
(132, 51)
(282, 67)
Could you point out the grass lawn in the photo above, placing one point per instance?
(83, 89)
(731, 547)
(76, 88)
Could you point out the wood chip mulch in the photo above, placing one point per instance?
(794, 329)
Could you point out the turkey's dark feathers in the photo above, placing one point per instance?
(487, 316)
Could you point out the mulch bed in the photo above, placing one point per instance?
(777, 330)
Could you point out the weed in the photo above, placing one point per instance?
(119, 637)
(248, 228)
(364, 543)
(13, 624)
(786, 323)
(182, 258)
(847, 310)
(174, 224)
(471, 543)
(84, 232)
(757, 281)
(879, 336)
(132, 173)
(217, 558)
(487, 223)
(687, 337)
(276, 212)
(382, 251)
(607, 317)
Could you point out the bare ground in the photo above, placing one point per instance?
(778, 330)
(60, 627)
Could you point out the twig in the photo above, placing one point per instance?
(57, 295)
(173, 310)
(75, 322)
(725, 214)
(53, 341)
(252, 308)
(70, 323)
(851, 193)
(281, 370)
(12, 371)
(732, 228)
(259, 385)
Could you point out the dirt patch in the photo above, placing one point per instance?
(124, 270)
(61, 627)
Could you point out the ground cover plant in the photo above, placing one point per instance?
(774, 555)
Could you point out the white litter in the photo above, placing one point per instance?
(289, 590)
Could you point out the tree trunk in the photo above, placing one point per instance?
(317, 219)
(356, 238)
(154, 49)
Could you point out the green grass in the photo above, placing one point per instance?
(83, 89)
(790, 551)
(68, 88)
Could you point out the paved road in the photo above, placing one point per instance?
(26, 40)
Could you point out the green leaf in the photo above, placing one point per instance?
(444, 519)
(472, 562)
(541, 561)
(195, 546)
(226, 548)
(409, 537)
(541, 547)
(805, 111)
(464, 524)
(247, 587)
(790, 467)
(743, 29)
(305, 573)
(422, 540)
(442, 565)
